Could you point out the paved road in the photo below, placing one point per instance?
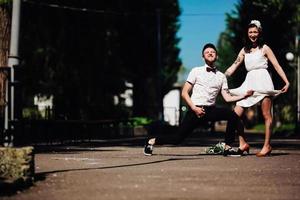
(116, 170)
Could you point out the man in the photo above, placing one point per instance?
(206, 82)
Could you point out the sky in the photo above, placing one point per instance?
(201, 22)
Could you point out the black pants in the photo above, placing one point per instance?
(212, 113)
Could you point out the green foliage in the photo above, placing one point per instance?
(153, 65)
(259, 127)
(17, 165)
(287, 113)
(31, 113)
(5, 1)
(284, 128)
(140, 121)
(85, 58)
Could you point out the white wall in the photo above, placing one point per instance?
(171, 103)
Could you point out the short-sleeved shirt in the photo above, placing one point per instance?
(206, 85)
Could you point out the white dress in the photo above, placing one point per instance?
(257, 79)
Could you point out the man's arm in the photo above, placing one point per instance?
(185, 94)
(230, 98)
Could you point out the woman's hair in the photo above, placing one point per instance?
(260, 41)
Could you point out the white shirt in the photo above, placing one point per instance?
(206, 85)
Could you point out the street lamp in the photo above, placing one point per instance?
(290, 57)
(13, 60)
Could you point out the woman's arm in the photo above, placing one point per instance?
(236, 64)
(270, 55)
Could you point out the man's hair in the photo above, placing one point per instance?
(208, 45)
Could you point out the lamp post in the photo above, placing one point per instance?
(159, 66)
(13, 60)
(291, 57)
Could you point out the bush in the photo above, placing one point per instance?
(287, 128)
(140, 121)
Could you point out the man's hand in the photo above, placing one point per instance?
(199, 111)
(249, 93)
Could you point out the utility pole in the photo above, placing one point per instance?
(13, 60)
(159, 71)
(296, 63)
(298, 77)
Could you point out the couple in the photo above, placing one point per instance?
(206, 82)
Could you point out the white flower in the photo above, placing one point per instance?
(256, 23)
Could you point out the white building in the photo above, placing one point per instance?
(171, 104)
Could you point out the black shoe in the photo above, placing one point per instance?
(148, 148)
(231, 152)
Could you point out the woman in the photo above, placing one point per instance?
(256, 55)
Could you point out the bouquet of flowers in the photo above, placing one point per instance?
(216, 149)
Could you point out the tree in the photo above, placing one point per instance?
(83, 57)
(153, 61)
(5, 17)
(5, 21)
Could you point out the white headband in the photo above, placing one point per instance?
(256, 23)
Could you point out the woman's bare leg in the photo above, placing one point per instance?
(266, 111)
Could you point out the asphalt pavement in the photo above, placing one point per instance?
(117, 169)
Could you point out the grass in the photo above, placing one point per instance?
(286, 128)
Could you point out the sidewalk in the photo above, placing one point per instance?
(117, 169)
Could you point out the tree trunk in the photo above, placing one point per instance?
(4, 35)
(5, 22)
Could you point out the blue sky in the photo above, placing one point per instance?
(201, 21)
